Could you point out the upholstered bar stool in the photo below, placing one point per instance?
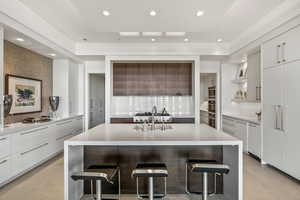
(99, 174)
(150, 171)
(205, 168)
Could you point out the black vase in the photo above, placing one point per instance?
(7, 103)
(54, 102)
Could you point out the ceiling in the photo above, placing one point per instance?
(80, 19)
(29, 43)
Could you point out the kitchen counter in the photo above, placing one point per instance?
(17, 127)
(122, 144)
(242, 117)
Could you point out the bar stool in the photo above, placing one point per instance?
(206, 167)
(99, 174)
(150, 171)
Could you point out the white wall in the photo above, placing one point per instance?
(67, 86)
(61, 85)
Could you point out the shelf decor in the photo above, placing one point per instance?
(26, 93)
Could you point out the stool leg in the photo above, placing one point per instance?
(204, 189)
(98, 190)
(92, 190)
(150, 188)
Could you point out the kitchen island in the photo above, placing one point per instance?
(122, 144)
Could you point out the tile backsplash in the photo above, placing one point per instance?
(175, 105)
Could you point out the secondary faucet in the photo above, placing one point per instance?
(154, 112)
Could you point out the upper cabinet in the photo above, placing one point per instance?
(254, 77)
(152, 79)
(282, 49)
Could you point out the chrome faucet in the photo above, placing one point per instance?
(154, 112)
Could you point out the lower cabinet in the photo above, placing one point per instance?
(248, 132)
(24, 150)
(242, 133)
(5, 169)
(254, 139)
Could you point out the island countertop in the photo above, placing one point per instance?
(126, 135)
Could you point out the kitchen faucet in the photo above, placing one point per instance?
(154, 112)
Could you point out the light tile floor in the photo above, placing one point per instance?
(46, 183)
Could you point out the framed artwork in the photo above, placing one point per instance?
(26, 93)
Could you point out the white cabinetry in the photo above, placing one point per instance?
(253, 77)
(254, 139)
(282, 49)
(228, 125)
(22, 151)
(281, 108)
(242, 133)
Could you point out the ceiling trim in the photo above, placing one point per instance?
(277, 17)
(152, 49)
(15, 15)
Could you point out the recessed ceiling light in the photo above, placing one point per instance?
(52, 54)
(20, 39)
(129, 34)
(152, 13)
(175, 34)
(199, 13)
(152, 34)
(105, 13)
(186, 39)
(219, 40)
(153, 39)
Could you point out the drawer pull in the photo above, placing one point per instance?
(67, 122)
(3, 161)
(36, 148)
(35, 130)
(2, 139)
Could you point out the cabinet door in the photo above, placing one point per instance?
(273, 95)
(290, 46)
(272, 52)
(228, 126)
(292, 113)
(253, 75)
(242, 133)
(4, 146)
(254, 139)
(5, 169)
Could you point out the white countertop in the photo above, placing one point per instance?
(17, 127)
(242, 117)
(125, 135)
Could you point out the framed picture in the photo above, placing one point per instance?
(26, 93)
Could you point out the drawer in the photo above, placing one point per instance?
(27, 159)
(26, 140)
(64, 128)
(4, 146)
(5, 169)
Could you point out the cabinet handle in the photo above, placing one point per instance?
(277, 117)
(36, 148)
(277, 53)
(2, 139)
(64, 136)
(64, 123)
(3, 161)
(281, 119)
(35, 130)
(283, 52)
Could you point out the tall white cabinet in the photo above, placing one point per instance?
(281, 102)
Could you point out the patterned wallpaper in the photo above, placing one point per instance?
(23, 62)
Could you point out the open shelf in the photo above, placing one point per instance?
(240, 81)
